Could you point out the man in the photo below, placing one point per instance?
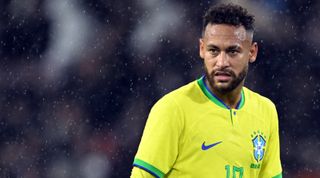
(214, 127)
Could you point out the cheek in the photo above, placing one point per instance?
(208, 63)
(240, 62)
(208, 59)
(209, 67)
(240, 67)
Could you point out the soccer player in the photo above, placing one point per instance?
(214, 127)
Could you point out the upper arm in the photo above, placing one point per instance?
(159, 145)
(271, 166)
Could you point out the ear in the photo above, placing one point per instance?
(253, 52)
(201, 48)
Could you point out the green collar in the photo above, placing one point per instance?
(201, 82)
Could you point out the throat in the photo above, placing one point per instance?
(230, 99)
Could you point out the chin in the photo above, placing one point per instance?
(224, 85)
(223, 89)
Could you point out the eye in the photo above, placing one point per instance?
(233, 52)
(214, 51)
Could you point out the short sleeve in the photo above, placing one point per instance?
(271, 167)
(140, 173)
(159, 145)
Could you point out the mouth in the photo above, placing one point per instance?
(221, 76)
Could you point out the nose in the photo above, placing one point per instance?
(222, 60)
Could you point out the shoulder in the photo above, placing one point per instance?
(177, 101)
(169, 111)
(182, 94)
(257, 100)
(262, 107)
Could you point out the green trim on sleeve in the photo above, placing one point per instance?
(148, 167)
(278, 176)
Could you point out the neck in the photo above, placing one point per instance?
(232, 98)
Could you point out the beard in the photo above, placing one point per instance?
(234, 83)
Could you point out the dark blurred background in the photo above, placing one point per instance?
(78, 78)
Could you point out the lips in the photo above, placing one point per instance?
(222, 76)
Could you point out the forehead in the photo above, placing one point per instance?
(226, 33)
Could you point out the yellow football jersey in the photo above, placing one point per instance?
(190, 133)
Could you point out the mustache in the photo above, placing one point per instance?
(223, 72)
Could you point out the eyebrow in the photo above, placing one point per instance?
(229, 47)
(212, 46)
(234, 47)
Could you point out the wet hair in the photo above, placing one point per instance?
(228, 14)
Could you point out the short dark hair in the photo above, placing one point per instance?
(228, 14)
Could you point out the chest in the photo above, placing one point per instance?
(226, 138)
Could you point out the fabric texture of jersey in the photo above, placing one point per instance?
(191, 133)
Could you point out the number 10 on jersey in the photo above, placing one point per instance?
(237, 172)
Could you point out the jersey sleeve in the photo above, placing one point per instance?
(159, 145)
(271, 167)
(140, 173)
